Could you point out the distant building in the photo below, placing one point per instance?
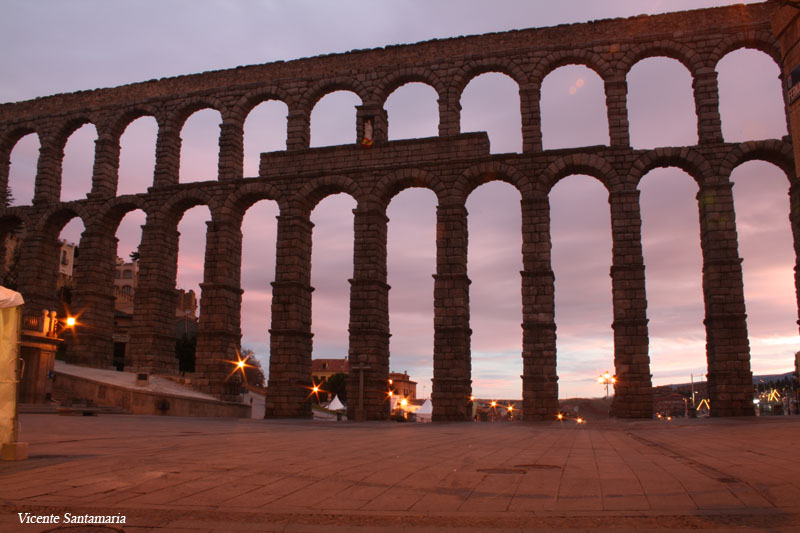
(126, 276)
(669, 403)
(402, 385)
(67, 253)
(322, 369)
(126, 279)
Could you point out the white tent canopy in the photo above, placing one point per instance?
(426, 408)
(335, 405)
(425, 412)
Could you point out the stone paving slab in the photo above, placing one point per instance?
(189, 474)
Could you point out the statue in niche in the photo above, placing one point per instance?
(367, 140)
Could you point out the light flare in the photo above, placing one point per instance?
(239, 365)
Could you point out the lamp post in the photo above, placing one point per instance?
(605, 378)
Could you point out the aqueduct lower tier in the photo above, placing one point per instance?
(451, 165)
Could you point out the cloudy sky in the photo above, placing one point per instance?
(53, 47)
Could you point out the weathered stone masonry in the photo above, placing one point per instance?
(451, 165)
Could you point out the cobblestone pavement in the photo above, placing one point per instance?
(181, 474)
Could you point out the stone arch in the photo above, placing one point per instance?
(177, 119)
(477, 175)
(772, 151)
(677, 51)
(238, 129)
(390, 185)
(251, 99)
(317, 91)
(588, 164)
(8, 142)
(472, 69)
(243, 198)
(53, 220)
(118, 124)
(585, 58)
(56, 143)
(408, 75)
(172, 211)
(112, 213)
(762, 41)
(318, 189)
(10, 138)
(688, 160)
(63, 132)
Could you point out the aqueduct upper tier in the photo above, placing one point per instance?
(451, 165)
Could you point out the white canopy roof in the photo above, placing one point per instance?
(426, 409)
(335, 405)
(9, 298)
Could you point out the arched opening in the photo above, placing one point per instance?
(674, 276)
(573, 108)
(490, 103)
(264, 131)
(126, 277)
(137, 156)
(333, 119)
(411, 261)
(259, 235)
(661, 109)
(767, 250)
(413, 112)
(331, 267)
(22, 172)
(742, 74)
(200, 146)
(78, 162)
(191, 269)
(69, 239)
(494, 262)
(580, 229)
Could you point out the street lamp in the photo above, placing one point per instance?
(63, 324)
(605, 378)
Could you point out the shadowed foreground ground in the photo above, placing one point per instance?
(181, 474)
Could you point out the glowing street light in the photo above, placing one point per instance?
(315, 389)
(605, 378)
(71, 322)
(238, 366)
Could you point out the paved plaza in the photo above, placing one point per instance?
(187, 474)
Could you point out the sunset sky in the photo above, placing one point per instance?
(55, 47)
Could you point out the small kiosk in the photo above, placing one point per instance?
(10, 370)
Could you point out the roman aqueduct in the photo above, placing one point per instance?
(451, 165)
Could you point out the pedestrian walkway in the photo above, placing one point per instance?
(175, 474)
